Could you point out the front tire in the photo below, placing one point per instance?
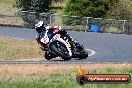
(49, 56)
(55, 48)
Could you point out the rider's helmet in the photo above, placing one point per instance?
(40, 26)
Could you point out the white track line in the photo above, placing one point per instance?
(17, 39)
(92, 52)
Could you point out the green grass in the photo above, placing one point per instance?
(3, 47)
(57, 4)
(7, 3)
(65, 79)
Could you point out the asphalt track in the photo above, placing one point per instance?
(105, 47)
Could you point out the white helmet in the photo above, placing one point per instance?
(39, 26)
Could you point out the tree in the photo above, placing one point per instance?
(121, 10)
(34, 5)
(92, 8)
(38, 6)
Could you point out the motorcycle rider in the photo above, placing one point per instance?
(48, 32)
(41, 30)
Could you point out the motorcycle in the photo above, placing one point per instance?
(62, 45)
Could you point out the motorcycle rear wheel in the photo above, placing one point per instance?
(84, 54)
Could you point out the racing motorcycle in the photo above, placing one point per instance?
(62, 45)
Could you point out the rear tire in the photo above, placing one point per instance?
(84, 55)
(54, 49)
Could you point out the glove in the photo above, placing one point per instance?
(42, 48)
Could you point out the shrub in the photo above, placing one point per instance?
(94, 8)
(121, 10)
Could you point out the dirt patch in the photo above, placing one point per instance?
(21, 71)
(11, 49)
(27, 68)
(29, 71)
(11, 21)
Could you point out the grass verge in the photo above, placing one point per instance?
(8, 4)
(18, 49)
(56, 76)
(7, 13)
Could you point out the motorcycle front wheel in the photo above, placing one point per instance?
(61, 50)
(49, 56)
